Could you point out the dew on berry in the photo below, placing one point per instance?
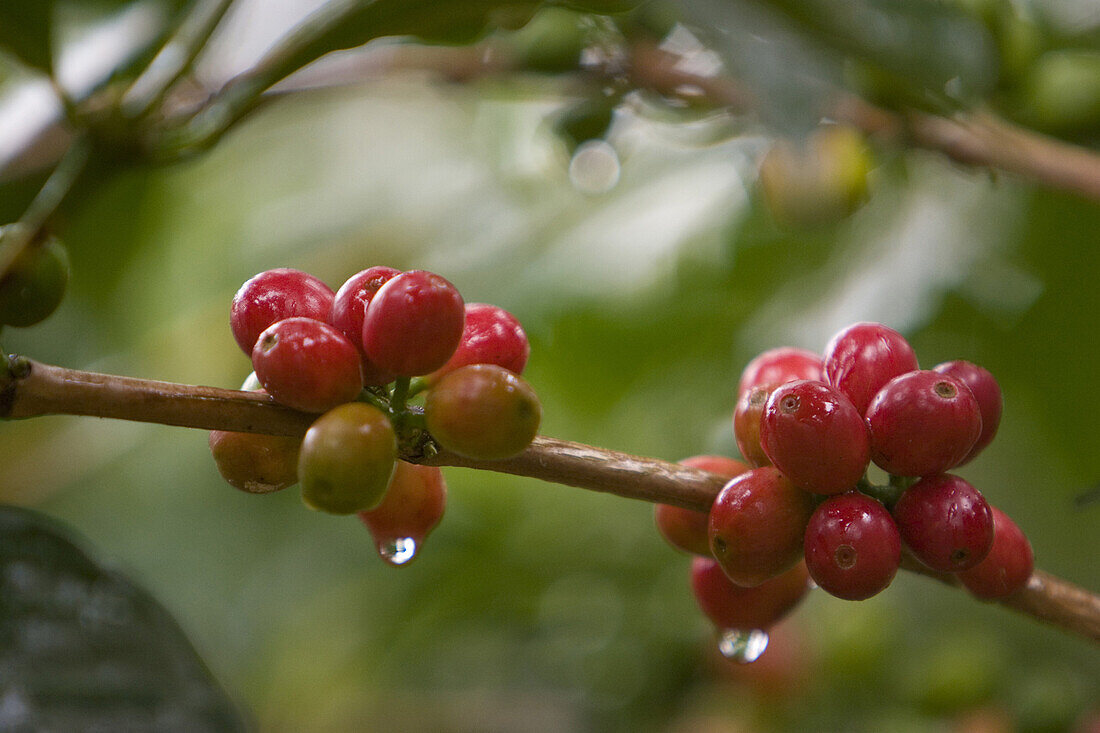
(398, 551)
(744, 647)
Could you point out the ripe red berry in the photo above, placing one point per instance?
(778, 366)
(307, 365)
(273, 296)
(483, 411)
(988, 394)
(491, 335)
(757, 523)
(852, 546)
(347, 459)
(863, 357)
(413, 324)
(34, 285)
(258, 464)
(747, 418)
(349, 308)
(946, 523)
(410, 510)
(922, 423)
(731, 606)
(1008, 565)
(814, 435)
(686, 529)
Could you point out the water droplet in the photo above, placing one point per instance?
(399, 551)
(743, 646)
(594, 168)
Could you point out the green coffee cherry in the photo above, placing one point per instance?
(33, 287)
(347, 459)
(1061, 93)
(484, 412)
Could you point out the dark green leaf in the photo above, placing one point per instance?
(83, 648)
(25, 30)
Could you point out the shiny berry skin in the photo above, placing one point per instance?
(491, 335)
(307, 365)
(814, 435)
(1008, 565)
(35, 283)
(757, 523)
(863, 357)
(986, 391)
(484, 412)
(945, 522)
(778, 366)
(747, 418)
(922, 423)
(258, 464)
(347, 459)
(686, 529)
(349, 308)
(411, 508)
(853, 548)
(413, 324)
(273, 296)
(730, 606)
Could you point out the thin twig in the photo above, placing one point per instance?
(29, 389)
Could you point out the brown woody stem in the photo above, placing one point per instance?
(31, 389)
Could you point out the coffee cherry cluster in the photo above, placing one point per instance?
(358, 357)
(808, 427)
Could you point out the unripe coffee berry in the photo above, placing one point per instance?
(413, 324)
(483, 411)
(853, 549)
(491, 335)
(945, 522)
(349, 308)
(730, 606)
(1008, 565)
(986, 391)
(273, 296)
(757, 523)
(814, 435)
(863, 357)
(307, 365)
(347, 459)
(779, 366)
(35, 283)
(922, 423)
(410, 510)
(686, 529)
(747, 422)
(258, 464)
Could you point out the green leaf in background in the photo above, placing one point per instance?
(25, 30)
(83, 648)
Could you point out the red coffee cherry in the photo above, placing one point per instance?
(814, 435)
(347, 459)
(922, 423)
(273, 296)
(34, 285)
(349, 308)
(778, 366)
(757, 523)
(491, 335)
(986, 391)
(863, 357)
(730, 606)
(853, 548)
(945, 522)
(258, 464)
(484, 412)
(413, 324)
(747, 419)
(410, 510)
(1008, 565)
(686, 529)
(307, 365)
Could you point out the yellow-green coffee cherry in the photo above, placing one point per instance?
(347, 459)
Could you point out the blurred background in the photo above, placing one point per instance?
(632, 236)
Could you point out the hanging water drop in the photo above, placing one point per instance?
(398, 551)
(743, 646)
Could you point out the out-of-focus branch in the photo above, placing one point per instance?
(29, 389)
